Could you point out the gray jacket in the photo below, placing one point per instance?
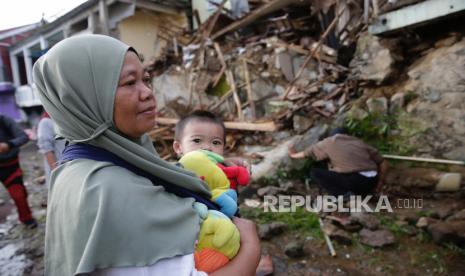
(12, 134)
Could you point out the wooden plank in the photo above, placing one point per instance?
(223, 64)
(249, 89)
(265, 126)
(230, 77)
(197, 18)
(231, 82)
(155, 132)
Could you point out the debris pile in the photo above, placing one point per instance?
(283, 63)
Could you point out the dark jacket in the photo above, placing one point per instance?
(12, 134)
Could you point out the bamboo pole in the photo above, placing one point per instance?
(327, 239)
(422, 159)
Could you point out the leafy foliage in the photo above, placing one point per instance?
(378, 130)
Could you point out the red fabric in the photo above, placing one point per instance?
(237, 175)
(12, 177)
(19, 195)
(45, 115)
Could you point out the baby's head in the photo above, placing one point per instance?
(199, 130)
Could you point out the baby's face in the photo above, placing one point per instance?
(200, 135)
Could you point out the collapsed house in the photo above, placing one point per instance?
(290, 64)
(281, 64)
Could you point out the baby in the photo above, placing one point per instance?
(199, 142)
(202, 130)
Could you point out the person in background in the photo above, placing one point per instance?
(11, 175)
(355, 168)
(50, 147)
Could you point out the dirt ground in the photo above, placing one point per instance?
(410, 255)
(21, 249)
(413, 253)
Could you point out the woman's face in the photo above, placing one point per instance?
(134, 111)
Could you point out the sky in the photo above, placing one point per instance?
(14, 13)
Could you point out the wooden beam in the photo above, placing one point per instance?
(231, 82)
(237, 101)
(265, 126)
(249, 89)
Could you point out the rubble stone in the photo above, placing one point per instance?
(410, 230)
(274, 107)
(269, 230)
(357, 113)
(445, 211)
(337, 234)
(308, 74)
(261, 88)
(348, 223)
(301, 123)
(311, 137)
(424, 222)
(284, 63)
(449, 182)
(377, 105)
(328, 87)
(448, 231)
(373, 61)
(367, 220)
(174, 92)
(376, 238)
(268, 190)
(294, 249)
(397, 102)
(457, 216)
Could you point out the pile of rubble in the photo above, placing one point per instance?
(281, 65)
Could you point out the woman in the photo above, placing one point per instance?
(50, 148)
(106, 219)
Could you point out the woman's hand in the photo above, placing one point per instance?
(4, 147)
(294, 154)
(247, 230)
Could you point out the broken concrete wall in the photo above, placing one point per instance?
(438, 79)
